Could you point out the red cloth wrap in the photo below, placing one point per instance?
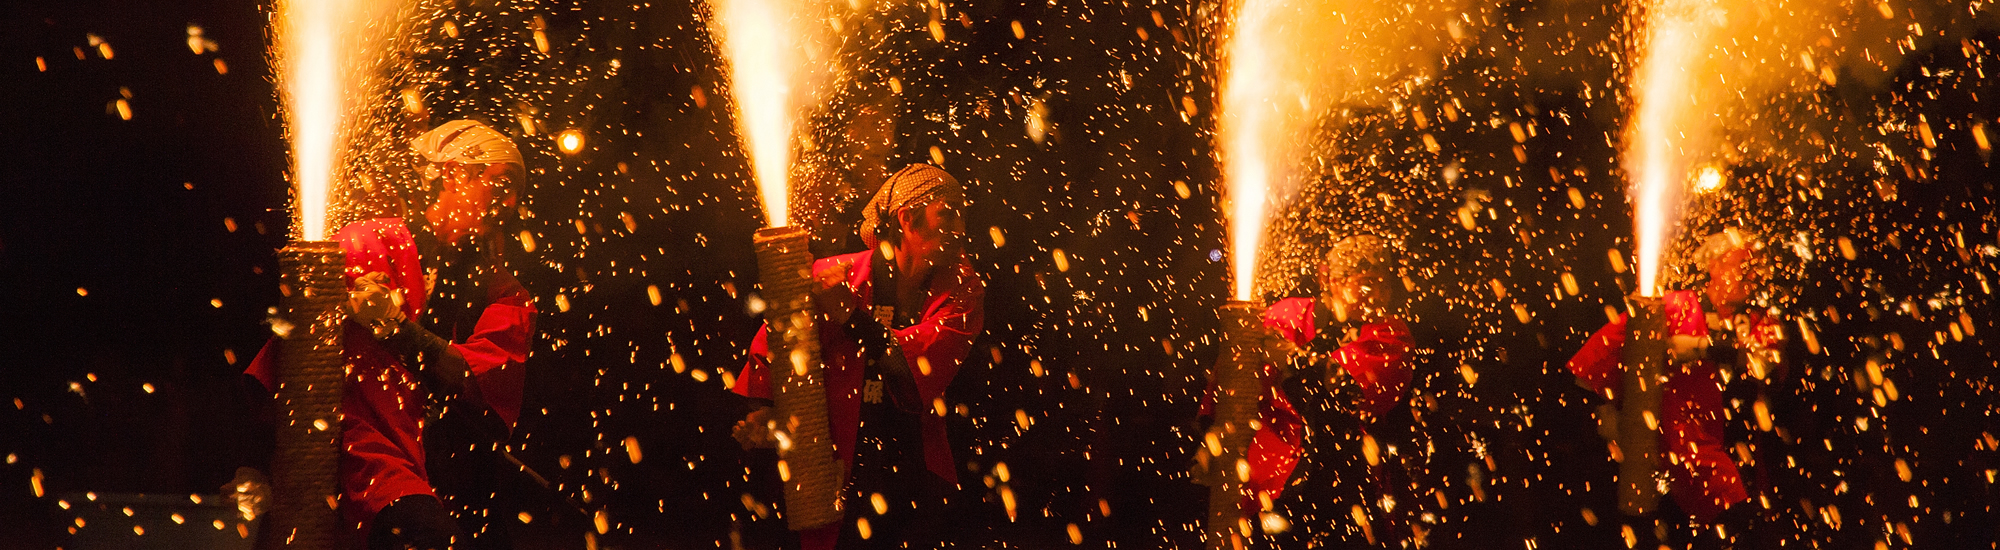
(382, 411)
(954, 311)
(1704, 479)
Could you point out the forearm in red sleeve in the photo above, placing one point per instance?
(1706, 480)
(502, 337)
(375, 470)
(938, 345)
(495, 355)
(1379, 363)
(1596, 365)
(1767, 340)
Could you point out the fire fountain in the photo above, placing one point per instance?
(1657, 159)
(767, 69)
(305, 466)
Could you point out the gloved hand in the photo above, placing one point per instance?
(250, 490)
(1277, 350)
(833, 298)
(1688, 349)
(374, 304)
(414, 521)
(753, 432)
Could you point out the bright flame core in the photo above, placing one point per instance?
(308, 44)
(326, 54)
(1246, 121)
(767, 64)
(1657, 144)
(1286, 66)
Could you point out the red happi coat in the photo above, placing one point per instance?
(382, 411)
(1377, 360)
(954, 311)
(1704, 479)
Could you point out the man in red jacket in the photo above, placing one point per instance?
(1353, 333)
(896, 323)
(434, 318)
(1703, 479)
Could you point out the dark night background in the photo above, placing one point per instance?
(138, 254)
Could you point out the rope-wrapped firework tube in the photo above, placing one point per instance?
(812, 477)
(305, 466)
(1643, 361)
(1236, 391)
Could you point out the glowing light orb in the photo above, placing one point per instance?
(571, 141)
(1708, 179)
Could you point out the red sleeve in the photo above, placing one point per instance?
(937, 345)
(1767, 337)
(1273, 454)
(1707, 482)
(755, 380)
(265, 367)
(1379, 360)
(1705, 479)
(496, 351)
(375, 470)
(1596, 365)
(382, 450)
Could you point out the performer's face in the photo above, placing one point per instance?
(933, 235)
(1361, 296)
(1731, 279)
(472, 195)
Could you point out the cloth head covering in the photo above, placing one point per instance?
(1357, 254)
(1727, 241)
(385, 245)
(1733, 244)
(465, 142)
(913, 186)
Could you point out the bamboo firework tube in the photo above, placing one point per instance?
(1643, 360)
(305, 467)
(1236, 392)
(805, 450)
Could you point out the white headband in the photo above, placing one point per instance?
(465, 142)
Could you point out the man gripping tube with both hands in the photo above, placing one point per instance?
(896, 323)
(435, 319)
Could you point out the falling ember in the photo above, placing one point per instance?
(313, 43)
(767, 45)
(1658, 143)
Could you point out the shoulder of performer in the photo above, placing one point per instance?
(1392, 328)
(503, 288)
